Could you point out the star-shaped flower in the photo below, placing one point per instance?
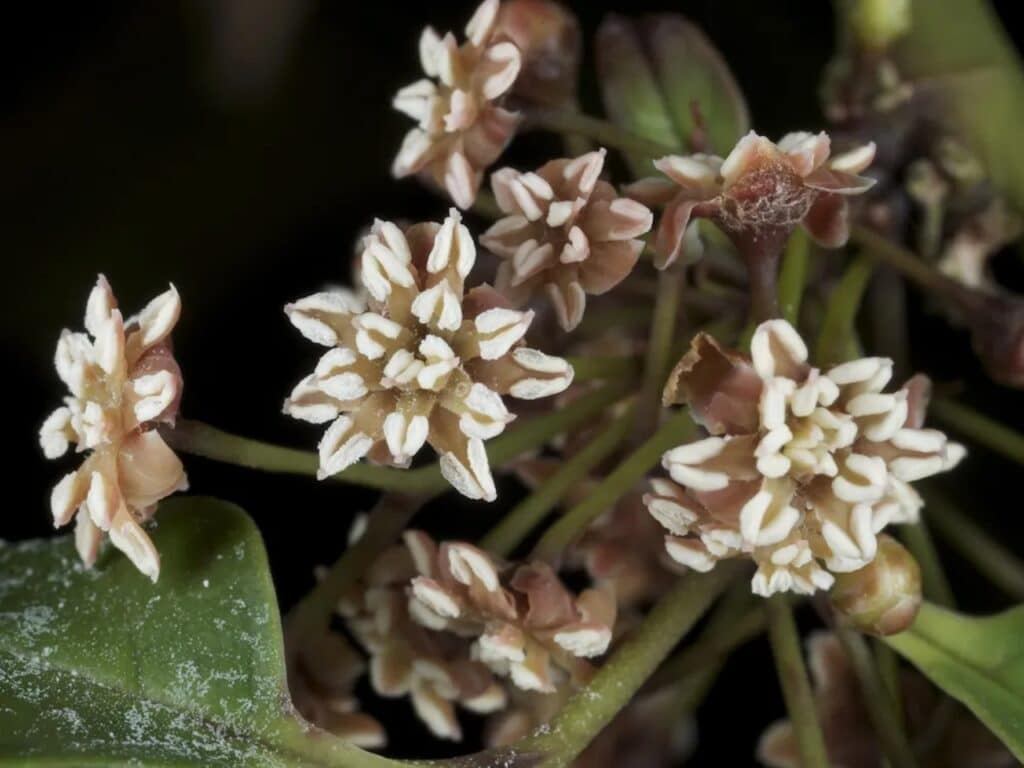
(421, 362)
(123, 381)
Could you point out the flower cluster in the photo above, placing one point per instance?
(123, 381)
(421, 361)
(759, 193)
(566, 231)
(461, 128)
(408, 658)
(802, 467)
(527, 625)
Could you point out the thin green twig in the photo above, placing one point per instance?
(796, 688)
(997, 563)
(793, 275)
(613, 686)
(837, 328)
(677, 429)
(887, 722)
(517, 524)
(659, 350)
(601, 131)
(980, 428)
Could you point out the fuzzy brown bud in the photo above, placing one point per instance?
(883, 597)
(548, 36)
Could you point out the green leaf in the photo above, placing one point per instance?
(977, 661)
(691, 72)
(101, 666)
(652, 75)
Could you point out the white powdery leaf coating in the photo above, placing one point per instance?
(585, 641)
(486, 416)
(499, 329)
(156, 391)
(782, 333)
(467, 562)
(439, 302)
(691, 553)
(557, 374)
(435, 597)
(340, 447)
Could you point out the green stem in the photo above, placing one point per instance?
(594, 368)
(209, 442)
(837, 329)
(889, 669)
(518, 523)
(934, 583)
(601, 131)
(636, 658)
(887, 722)
(980, 428)
(992, 559)
(793, 276)
(388, 519)
(796, 688)
(909, 264)
(659, 350)
(676, 430)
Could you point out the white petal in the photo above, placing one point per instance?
(499, 329)
(158, 318)
(340, 447)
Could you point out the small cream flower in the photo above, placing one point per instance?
(802, 469)
(423, 363)
(461, 128)
(566, 232)
(524, 620)
(123, 381)
(406, 658)
(760, 192)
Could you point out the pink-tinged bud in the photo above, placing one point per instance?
(548, 36)
(883, 597)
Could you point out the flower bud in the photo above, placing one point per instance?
(548, 35)
(879, 23)
(883, 597)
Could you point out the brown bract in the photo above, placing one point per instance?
(758, 194)
(526, 625)
(123, 381)
(420, 361)
(802, 468)
(461, 129)
(567, 233)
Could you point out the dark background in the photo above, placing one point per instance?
(236, 148)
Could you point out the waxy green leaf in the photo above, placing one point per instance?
(101, 667)
(977, 661)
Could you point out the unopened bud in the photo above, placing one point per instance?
(548, 35)
(879, 23)
(883, 597)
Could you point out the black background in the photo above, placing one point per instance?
(129, 145)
